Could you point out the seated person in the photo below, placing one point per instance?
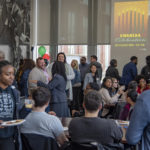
(91, 128)
(91, 86)
(108, 98)
(39, 122)
(140, 79)
(131, 100)
(139, 127)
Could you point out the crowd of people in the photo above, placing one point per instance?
(75, 90)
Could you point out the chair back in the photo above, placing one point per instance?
(85, 146)
(38, 142)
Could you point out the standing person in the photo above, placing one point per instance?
(146, 69)
(9, 105)
(23, 83)
(112, 71)
(76, 86)
(97, 64)
(129, 71)
(139, 127)
(2, 57)
(69, 73)
(57, 87)
(83, 67)
(92, 128)
(92, 77)
(38, 73)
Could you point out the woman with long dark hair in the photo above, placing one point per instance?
(69, 73)
(107, 96)
(91, 77)
(28, 65)
(57, 86)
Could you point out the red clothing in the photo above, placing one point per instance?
(139, 90)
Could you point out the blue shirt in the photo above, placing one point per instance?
(139, 128)
(129, 73)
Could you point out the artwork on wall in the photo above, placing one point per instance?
(15, 26)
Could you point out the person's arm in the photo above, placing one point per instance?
(86, 81)
(138, 122)
(58, 130)
(69, 73)
(61, 139)
(100, 72)
(116, 131)
(51, 85)
(0, 124)
(107, 98)
(33, 75)
(134, 71)
(49, 69)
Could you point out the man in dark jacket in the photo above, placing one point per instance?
(129, 71)
(112, 71)
(9, 105)
(97, 64)
(146, 69)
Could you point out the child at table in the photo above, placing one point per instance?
(131, 100)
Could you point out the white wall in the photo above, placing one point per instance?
(7, 52)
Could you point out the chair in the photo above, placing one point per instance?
(38, 142)
(86, 146)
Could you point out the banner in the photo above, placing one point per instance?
(130, 27)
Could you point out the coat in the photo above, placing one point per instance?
(70, 76)
(58, 101)
(129, 73)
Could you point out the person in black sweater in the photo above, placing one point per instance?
(92, 128)
(112, 71)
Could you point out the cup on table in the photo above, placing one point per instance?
(28, 103)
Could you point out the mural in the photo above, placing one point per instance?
(15, 26)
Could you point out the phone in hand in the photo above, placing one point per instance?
(122, 88)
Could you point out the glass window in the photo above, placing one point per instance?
(73, 51)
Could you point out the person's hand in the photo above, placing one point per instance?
(120, 91)
(50, 78)
(0, 124)
(74, 111)
(52, 113)
(33, 81)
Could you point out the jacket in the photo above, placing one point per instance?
(129, 73)
(112, 72)
(89, 78)
(99, 68)
(57, 87)
(77, 78)
(139, 127)
(23, 84)
(17, 108)
(70, 75)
